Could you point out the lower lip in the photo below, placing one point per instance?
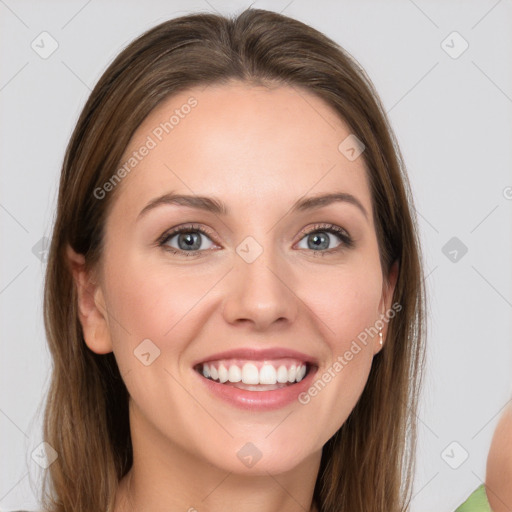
(259, 400)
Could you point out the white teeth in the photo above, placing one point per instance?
(282, 374)
(268, 374)
(235, 374)
(300, 374)
(250, 374)
(223, 374)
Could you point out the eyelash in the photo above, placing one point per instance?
(346, 240)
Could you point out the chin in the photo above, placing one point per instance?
(259, 454)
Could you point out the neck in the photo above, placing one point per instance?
(165, 476)
(269, 494)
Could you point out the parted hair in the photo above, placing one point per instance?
(368, 464)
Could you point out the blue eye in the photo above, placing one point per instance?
(188, 240)
(321, 236)
(319, 240)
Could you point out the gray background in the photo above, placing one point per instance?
(452, 117)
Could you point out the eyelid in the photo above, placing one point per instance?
(346, 239)
(324, 226)
(186, 227)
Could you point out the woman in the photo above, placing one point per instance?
(498, 479)
(496, 494)
(234, 296)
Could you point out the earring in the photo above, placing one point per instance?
(380, 336)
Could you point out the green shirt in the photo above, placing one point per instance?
(477, 502)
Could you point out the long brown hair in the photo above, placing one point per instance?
(368, 464)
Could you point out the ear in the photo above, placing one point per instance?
(92, 311)
(388, 288)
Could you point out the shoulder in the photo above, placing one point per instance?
(477, 502)
(499, 463)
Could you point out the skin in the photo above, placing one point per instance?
(258, 150)
(499, 465)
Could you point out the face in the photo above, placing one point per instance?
(255, 289)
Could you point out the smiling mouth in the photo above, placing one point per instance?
(255, 375)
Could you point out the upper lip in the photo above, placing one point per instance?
(252, 354)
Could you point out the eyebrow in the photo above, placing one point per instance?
(214, 205)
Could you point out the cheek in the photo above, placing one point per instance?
(346, 300)
(336, 389)
(148, 302)
(153, 301)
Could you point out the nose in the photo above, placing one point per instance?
(260, 293)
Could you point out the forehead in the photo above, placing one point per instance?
(243, 143)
